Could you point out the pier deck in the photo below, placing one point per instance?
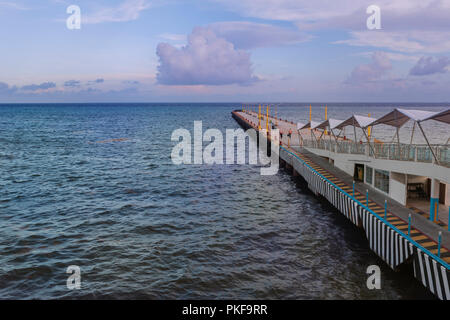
(420, 223)
(387, 234)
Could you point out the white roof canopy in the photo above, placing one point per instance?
(310, 125)
(357, 121)
(300, 125)
(330, 123)
(398, 117)
(443, 116)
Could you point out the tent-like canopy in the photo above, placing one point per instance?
(357, 121)
(310, 125)
(330, 123)
(300, 125)
(443, 116)
(398, 117)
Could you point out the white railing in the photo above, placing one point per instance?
(390, 151)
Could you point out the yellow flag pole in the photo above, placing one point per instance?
(310, 113)
(369, 129)
(267, 120)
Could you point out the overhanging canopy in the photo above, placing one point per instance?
(310, 125)
(300, 125)
(330, 123)
(357, 121)
(398, 117)
(443, 116)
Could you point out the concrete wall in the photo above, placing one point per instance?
(397, 187)
(346, 166)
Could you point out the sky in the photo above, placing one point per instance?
(224, 50)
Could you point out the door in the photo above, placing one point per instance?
(442, 190)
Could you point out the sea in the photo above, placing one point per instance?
(94, 186)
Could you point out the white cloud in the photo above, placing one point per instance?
(13, 5)
(173, 36)
(407, 41)
(206, 60)
(127, 11)
(430, 65)
(407, 25)
(392, 56)
(247, 35)
(367, 73)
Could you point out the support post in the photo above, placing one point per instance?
(385, 209)
(353, 188)
(434, 199)
(367, 198)
(409, 225)
(439, 244)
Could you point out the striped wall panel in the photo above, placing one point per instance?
(339, 200)
(431, 273)
(387, 243)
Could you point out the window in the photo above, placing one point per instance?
(382, 180)
(369, 175)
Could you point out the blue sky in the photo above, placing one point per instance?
(224, 50)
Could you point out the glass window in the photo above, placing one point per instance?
(369, 175)
(382, 180)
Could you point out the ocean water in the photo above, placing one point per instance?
(93, 185)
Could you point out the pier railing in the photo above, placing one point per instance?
(390, 151)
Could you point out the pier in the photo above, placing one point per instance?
(396, 231)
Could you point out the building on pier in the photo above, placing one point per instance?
(415, 175)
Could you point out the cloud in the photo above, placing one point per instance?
(407, 25)
(13, 5)
(100, 80)
(290, 10)
(408, 41)
(373, 71)
(206, 60)
(173, 36)
(247, 35)
(399, 14)
(42, 86)
(131, 82)
(393, 56)
(72, 83)
(127, 11)
(5, 89)
(430, 65)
